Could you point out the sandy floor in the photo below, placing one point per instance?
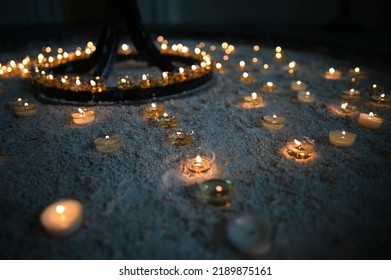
(137, 203)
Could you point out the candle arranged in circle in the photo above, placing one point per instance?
(108, 143)
(179, 137)
(217, 192)
(370, 120)
(200, 162)
(83, 116)
(351, 94)
(62, 217)
(269, 87)
(342, 138)
(273, 122)
(305, 96)
(167, 120)
(28, 109)
(333, 74)
(252, 101)
(298, 85)
(300, 149)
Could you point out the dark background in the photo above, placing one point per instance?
(362, 25)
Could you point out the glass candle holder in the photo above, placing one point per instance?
(250, 234)
(351, 94)
(108, 143)
(167, 120)
(217, 192)
(306, 96)
(252, 101)
(179, 137)
(300, 149)
(28, 109)
(273, 122)
(380, 99)
(153, 111)
(199, 161)
(83, 116)
(269, 87)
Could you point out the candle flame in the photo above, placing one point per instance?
(78, 82)
(297, 142)
(181, 70)
(357, 70)
(107, 137)
(92, 83)
(19, 99)
(352, 90)
(331, 70)
(153, 105)
(274, 117)
(218, 65)
(278, 49)
(298, 82)
(382, 95)
(269, 84)
(242, 63)
(60, 209)
(125, 47)
(254, 60)
(343, 133)
(254, 95)
(26, 104)
(307, 93)
(292, 64)
(81, 111)
(198, 159)
(278, 55)
(344, 105)
(371, 114)
(256, 48)
(266, 66)
(219, 188)
(144, 77)
(245, 75)
(374, 86)
(165, 115)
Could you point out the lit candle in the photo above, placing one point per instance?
(125, 82)
(219, 68)
(97, 84)
(217, 192)
(269, 87)
(292, 69)
(380, 99)
(108, 143)
(298, 85)
(351, 94)
(246, 78)
(333, 74)
(273, 122)
(179, 137)
(342, 138)
(153, 111)
(144, 82)
(62, 218)
(356, 72)
(167, 120)
(370, 120)
(305, 96)
(265, 68)
(242, 65)
(300, 149)
(348, 110)
(83, 116)
(19, 102)
(200, 163)
(28, 109)
(250, 234)
(252, 101)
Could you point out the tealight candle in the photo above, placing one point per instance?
(333, 74)
(273, 122)
(247, 78)
(167, 120)
(342, 138)
(300, 149)
(380, 99)
(249, 234)
(298, 85)
(83, 116)
(370, 120)
(179, 137)
(269, 87)
(108, 143)
(199, 163)
(351, 94)
(217, 192)
(19, 102)
(305, 96)
(62, 217)
(252, 101)
(292, 69)
(348, 110)
(153, 111)
(28, 109)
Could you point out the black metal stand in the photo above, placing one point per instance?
(101, 62)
